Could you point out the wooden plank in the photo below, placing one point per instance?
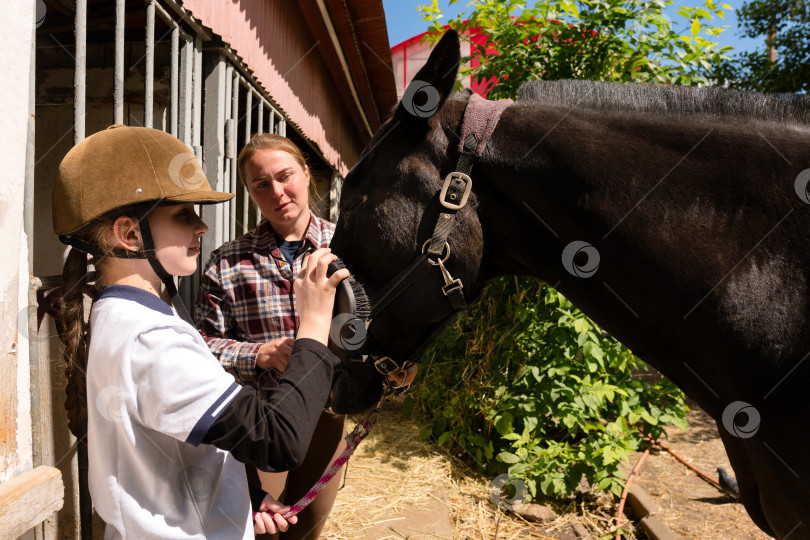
(655, 529)
(643, 505)
(28, 499)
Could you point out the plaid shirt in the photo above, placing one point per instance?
(246, 297)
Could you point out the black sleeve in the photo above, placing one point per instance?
(257, 495)
(274, 435)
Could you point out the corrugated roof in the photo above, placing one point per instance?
(274, 39)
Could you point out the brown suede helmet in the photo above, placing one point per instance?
(123, 166)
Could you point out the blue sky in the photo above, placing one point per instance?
(404, 22)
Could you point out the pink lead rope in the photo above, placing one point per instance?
(360, 432)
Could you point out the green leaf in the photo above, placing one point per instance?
(581, 325)
(649, 418)
(508, 457)
(503, 423)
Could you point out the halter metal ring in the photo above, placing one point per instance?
(444, 259)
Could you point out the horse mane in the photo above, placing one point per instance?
(670, 100)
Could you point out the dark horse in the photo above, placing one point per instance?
(693, 202)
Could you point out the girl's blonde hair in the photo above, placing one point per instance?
(271, 141)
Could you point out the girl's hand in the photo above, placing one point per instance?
(275, 354)
(268, 519)
(315, 295)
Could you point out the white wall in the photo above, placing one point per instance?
(16, 36)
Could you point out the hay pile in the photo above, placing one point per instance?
(398, 486)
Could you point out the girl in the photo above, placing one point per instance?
(246, 311)
(165, 423)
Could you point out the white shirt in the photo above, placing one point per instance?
(153, 390)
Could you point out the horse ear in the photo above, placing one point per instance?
(433, 83)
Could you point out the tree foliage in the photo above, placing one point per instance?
(783, 25)
(601, 40)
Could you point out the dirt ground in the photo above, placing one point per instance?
(398, 487)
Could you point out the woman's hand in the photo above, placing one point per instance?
(275, 354)
(268, 519)
(315, 295)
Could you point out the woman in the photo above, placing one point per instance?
(246, 307)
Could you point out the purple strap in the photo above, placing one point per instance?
(480, 117)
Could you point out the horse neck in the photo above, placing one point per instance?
(529, 200)
(670, 217)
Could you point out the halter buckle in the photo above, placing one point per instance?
(385, 365)
(464, 196)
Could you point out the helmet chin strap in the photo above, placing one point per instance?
(151, 255)
(148, 252)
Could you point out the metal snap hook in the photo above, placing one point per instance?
(443, 259)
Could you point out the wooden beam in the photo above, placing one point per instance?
(28, 499)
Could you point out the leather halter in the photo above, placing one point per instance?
(480, 118)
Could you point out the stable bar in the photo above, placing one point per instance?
(149, 76)
(174, 82)
(80, 71)
(196, 89)
(118, 83)
(230, 134)
(182, 97)
(260, 122)
(188, 90)
(235, 117)
(245, 194)
(215, 135)
(186, 97)
(174, 62)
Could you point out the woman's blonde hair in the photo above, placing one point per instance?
(270, 141)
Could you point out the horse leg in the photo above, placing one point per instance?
(746, 480)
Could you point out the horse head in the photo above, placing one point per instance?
(389, 209)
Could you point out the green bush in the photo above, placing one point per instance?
(524, 383)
